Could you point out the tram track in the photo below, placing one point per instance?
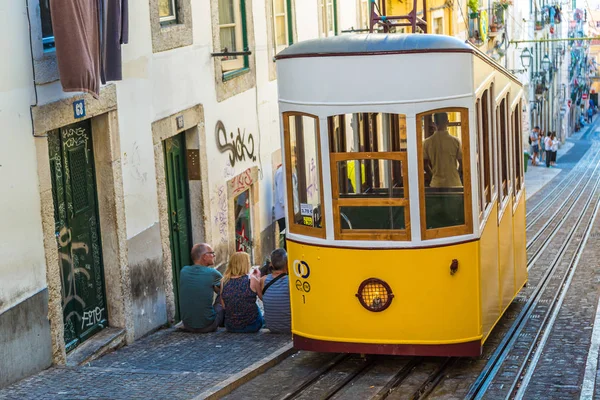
(416, 377)
(559, 188)
(536, 311)
(556, 219)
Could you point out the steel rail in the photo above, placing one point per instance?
(397, 379)
(550, 317)
(434, 379)
(314, 376)
(489, 372)
(536, 255)
(561, 187)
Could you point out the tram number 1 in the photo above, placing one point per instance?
(303, 287)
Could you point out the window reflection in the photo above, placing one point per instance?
(442, 135)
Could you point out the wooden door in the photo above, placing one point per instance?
(77, 232)
(178, 198)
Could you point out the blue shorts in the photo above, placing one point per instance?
(535, 148)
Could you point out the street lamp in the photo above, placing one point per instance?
(546, 63)
(526, 58)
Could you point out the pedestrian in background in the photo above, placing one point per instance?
(534, 141)
(555, 143)
(275, 294)
(279, 203)
(239, 289)
(590, 113)
(548, 148)
(197, 285)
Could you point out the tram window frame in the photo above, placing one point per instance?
(293, 226)
(369, 147)
(517, 152)
(504, 178)
(455, 230)
(487, 144)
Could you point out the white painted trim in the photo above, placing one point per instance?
(380, 244)
(413, 181)
(325, 167)
(376, 103)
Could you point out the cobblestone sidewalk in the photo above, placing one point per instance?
(169, 364)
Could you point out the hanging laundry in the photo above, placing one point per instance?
(115, 32)
(76, 32)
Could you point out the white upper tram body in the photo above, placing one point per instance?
(390, 73)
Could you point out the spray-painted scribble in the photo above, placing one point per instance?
(221, 218)
(242, 182)
(91, 317)
(238, 147)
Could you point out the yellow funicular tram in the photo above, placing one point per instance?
(406, 202)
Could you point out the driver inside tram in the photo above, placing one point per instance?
(442, 155)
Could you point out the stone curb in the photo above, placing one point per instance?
(233, 382)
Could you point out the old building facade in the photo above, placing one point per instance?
(102, 198)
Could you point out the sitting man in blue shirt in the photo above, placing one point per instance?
(197, 285)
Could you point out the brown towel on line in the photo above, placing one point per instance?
(77, 36)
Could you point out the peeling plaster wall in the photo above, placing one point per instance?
(24, 330)
(147, 281)
(22, 262)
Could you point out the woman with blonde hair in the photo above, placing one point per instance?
(239, 289)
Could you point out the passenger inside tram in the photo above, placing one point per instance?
(443, 155)
(443, 169)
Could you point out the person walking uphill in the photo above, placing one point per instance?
(275, 294)
(239, 290)
(198, 284)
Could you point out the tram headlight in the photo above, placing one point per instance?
(375, 295)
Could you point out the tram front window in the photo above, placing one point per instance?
(305, 194)
(369, 178)
(443, 147)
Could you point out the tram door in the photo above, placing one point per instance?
(179, 206)
(77, 232)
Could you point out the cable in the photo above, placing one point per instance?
(466, 21)
(32, 70)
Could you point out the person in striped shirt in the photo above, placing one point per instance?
(275, 294)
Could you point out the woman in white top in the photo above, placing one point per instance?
(548, 148)
(554, 149)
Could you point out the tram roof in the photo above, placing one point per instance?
(375, 43)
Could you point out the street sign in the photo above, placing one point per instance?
(569, 103)
(584, 96)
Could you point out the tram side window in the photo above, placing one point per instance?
(486, 140)
(305, 194)
(518, 150)
(503, 148)
(369, 176)
(443, 142)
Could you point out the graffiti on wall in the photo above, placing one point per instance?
(76, 272)
(242, 182)
(239, 147)
(221, 216)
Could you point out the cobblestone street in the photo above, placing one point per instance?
(166, 365)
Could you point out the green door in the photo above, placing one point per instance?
(77, 232)
(179, 223)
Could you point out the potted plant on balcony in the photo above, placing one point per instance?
(473, 8)
(539, 25)
(504, 4)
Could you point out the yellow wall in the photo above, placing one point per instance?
(395, 7)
